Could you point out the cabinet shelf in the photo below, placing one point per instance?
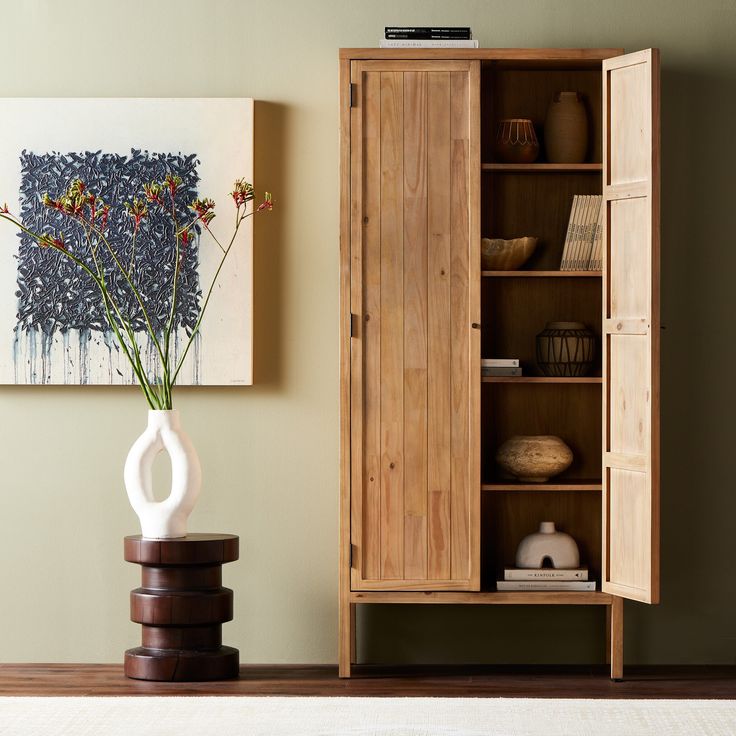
(542, 274)
(542, 379)
(543, 168)
(570, 485)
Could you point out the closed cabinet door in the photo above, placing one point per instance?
(415, 344)
(631, 326)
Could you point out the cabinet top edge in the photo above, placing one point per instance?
(500, 54)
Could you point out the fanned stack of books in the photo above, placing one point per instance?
(421, 37)
(500, 367)
(583, 242)
(545, 578)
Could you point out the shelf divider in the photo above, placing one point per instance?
(578, 597)
(556, 486)
(542, 379)
(544, 168)
(542, 274)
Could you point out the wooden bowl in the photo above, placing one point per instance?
(498, 254)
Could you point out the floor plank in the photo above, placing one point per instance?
(478, 681)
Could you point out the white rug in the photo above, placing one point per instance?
(297, 716)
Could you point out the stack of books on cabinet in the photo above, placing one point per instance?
(583, 242)
(545, 579)
(500, 367)
(423, 37)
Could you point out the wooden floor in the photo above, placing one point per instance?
(538, 682)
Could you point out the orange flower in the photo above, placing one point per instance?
(48, 241)
(204, 209)
(267, 203)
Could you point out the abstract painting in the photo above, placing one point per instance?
(53, 328)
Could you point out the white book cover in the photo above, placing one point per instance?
(583, 221)
(569, 236)
(595, 237)
(499, 362)
(408, 43)
(550, 585)
(597, 262)
(593, 225)
(545, 573)
(587, 243)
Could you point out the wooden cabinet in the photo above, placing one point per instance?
(425, 514)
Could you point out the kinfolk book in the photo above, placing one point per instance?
(545, 573)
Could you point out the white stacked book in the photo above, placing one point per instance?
(583, 242)
(428, 37)
(500, 367)
(545, 578)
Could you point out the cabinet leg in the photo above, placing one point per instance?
(608, 635)
(616, 638)
(346, 644)
(353, 634)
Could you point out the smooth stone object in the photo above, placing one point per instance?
(165, 519)
(498, 254)
(548, 544)
(535, 458)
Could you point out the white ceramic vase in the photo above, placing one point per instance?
(560, 548)
(165, 519)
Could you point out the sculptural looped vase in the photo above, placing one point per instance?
(165, 519)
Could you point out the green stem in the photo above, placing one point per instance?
(207, 298)
(102, 286)
(137, 295)
(172, 314)
(107, 300)
(132, 253)
(136, 364)
(214, 237)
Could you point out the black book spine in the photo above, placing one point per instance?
(430, 36)
(427, 29)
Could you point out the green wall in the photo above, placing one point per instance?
(270, 452)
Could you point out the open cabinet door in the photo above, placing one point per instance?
(631, 326)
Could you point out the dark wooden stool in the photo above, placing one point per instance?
(182, 606)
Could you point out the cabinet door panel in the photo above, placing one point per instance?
(415, 482)
(631, 326)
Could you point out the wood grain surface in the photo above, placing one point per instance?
(631, 322)
(181, 606)
(478, 681)
(415, 280)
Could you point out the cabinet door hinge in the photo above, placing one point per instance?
(353, 95)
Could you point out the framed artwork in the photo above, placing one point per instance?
(52, 323)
